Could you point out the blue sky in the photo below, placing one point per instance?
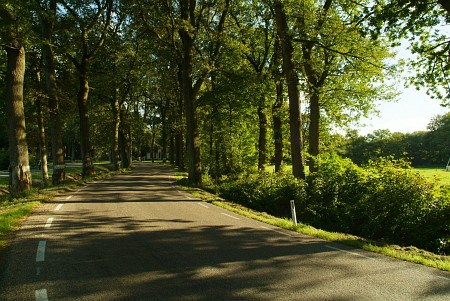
(411, 112)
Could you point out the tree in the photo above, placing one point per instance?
(13, 44)
(257, 34)
(420, 22)
(340, 67)
(47, 14)
(194, 20)
(92, 21)
(289, 70)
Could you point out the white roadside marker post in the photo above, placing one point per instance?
(294, 214)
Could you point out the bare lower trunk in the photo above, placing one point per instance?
(42, 142)
(314, 130)
(59, 167)
(277, 127)
(19, 168)
(262, 140)
(83, 93)
(115, 134)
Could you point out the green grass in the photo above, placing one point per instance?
(410, 254)
(434, 174)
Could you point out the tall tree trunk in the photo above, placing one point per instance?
(172, 148)
(115, 106)
(277, 126)
(192, 133)
(295, 122)
(125, 162)
(42, 142)
(82, 98)
(19, 167)
(59, 167)
(314, 130)
(262, 140)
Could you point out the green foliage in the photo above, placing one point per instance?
(386, 201)
(421, 148)
(266, 192)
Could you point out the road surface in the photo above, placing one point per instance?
(137, 236)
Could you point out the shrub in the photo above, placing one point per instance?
(384, 201)
(266, 192)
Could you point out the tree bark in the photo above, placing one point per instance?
(41, 137)
(192, 133)
(314, 128)
(82, 99)
(277, 126)
(262, 140)
(59, 167)
(19, 167)
(295, 122)
(115, 106)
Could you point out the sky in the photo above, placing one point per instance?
(412, 111)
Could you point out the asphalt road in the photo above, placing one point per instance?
(137, 236)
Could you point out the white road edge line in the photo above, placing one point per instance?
(40, 253)
(230, 216)
(49, 222)
(445, 278)
(41, 294)
(203, 205)
(59, 207)
(345, 251)
(279, 232)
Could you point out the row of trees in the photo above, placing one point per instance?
(421, 148)
(204, 78)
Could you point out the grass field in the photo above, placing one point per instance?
(433, 174)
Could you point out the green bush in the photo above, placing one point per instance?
(265, 192)
(384, 201)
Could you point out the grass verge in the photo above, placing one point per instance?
(410, 254)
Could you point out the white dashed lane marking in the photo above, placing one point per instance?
(41, 295)
(49, 222)
(203, 205)
(230, 216)
(40, 253)
(59, 207)
(345, 251)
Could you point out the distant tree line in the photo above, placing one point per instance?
(431, 147)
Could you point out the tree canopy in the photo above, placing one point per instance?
(216, 87)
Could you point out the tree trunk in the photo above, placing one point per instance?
(125, 162)
(59, 167)
(41, 138)
(314, 130)
(262, 140)
(295, 123)
(115, 106)
(277, 126)
(192, 133)
(19, 167)
(172, 149)
(82, 98)
(164, 137)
